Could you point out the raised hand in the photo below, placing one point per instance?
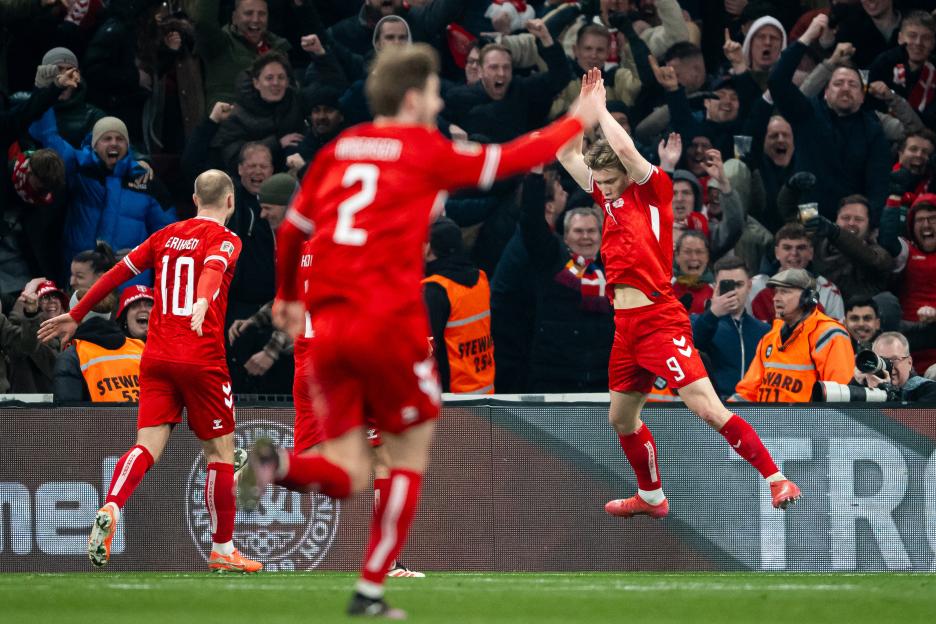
(312, 44)
(68, 78)
(842, 53)
(538, 29)
(665, 75)
(734, 53)
(817, 27)
(220, 112)
(670, 151)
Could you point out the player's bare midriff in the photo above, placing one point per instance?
(627, 297)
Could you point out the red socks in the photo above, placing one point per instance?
(219, 500)
(392, 520)
(128, 473)
(640, 450)
(381, 492)
(746, 443)
(316, 472)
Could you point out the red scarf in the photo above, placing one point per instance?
(586, 275)
(924, 89)
(21, 182)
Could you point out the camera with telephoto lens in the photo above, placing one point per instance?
(868, 362)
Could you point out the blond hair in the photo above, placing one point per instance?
(397, 70)
(602, 156)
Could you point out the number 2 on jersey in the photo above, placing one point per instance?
(345, 232)
(186, 264)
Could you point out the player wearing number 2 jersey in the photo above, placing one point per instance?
(183, 363)
(367, 201)
(652, 335)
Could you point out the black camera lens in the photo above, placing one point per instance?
(868, 361)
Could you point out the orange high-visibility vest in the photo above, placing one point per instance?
(819, 349)
(468, 340)
(113, 376)
(661, 392)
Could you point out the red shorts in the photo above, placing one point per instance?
(370, 373)
(651, 341)
(204, 391)
(308, 430)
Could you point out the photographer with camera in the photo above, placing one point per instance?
(888, 366)
(803, 347)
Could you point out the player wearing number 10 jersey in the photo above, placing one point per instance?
(183, 363)
(367, 202)
(652, 335)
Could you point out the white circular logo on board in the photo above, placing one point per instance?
(288, 531)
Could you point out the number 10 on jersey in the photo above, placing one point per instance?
(183, 286)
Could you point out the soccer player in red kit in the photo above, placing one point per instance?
(652, 335)
(369, 197)
(183, 363)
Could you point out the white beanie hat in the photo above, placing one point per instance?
(759, 23)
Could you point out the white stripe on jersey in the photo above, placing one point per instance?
(304, 224)
(489, 169)
(221, 258)
(130, 265)
(647, 177)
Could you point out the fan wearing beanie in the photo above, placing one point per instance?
(108, 199)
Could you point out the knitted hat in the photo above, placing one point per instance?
(132, 294)
(445, 238)
(48, 288)
(320, 96)
(278, 189)
(60, 56)
(108, 124)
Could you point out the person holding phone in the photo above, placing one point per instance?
(726, 332)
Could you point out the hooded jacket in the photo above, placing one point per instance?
(696, 220)
(69, 384)
(761, 76)
(103, 206)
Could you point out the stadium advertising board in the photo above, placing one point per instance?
(512, 486)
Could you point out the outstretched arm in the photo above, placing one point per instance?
(638, 168)
(570, 155)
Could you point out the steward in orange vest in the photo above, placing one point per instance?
(458, 298)
(101, 365)
(803, 346)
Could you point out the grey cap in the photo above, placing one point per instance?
(792, 278)
(60, 56)
(278, 189)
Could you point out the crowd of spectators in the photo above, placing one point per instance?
(799, 134)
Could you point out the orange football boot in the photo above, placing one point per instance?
(784, 493)
(102, 534)
(633, 506)
(235, 562)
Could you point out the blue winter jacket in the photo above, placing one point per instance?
(101, 205)
(730, 345)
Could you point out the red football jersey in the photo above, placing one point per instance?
(637, 237)
(177, 254)
(370, 196)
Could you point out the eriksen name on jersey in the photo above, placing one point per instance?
(181, 244)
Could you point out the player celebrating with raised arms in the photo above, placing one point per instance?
(183, 364)
(652, 335)
(367, 201)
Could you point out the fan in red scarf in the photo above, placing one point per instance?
(35, 174)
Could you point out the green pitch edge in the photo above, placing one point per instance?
(451, 598)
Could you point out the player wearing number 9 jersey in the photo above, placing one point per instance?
(183, 363)
(652, 335)
(367, 201)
